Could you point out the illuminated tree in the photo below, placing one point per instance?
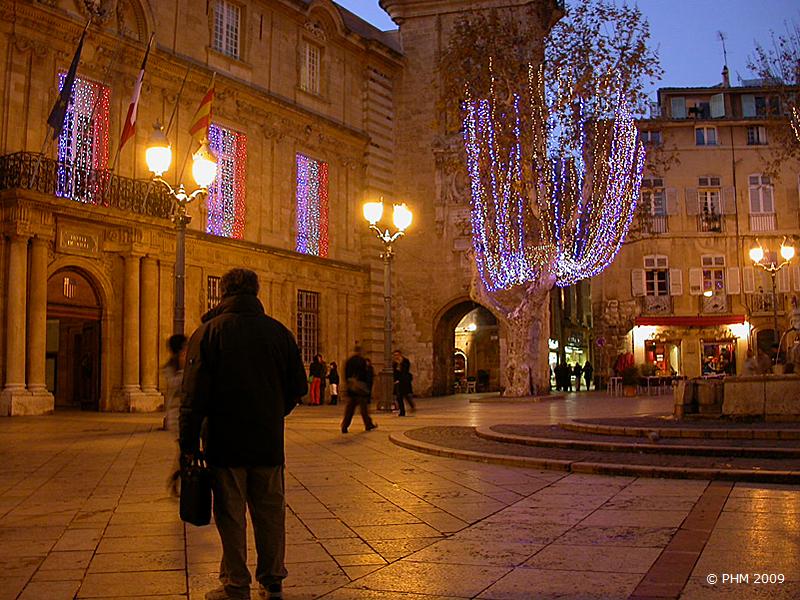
(553, 158)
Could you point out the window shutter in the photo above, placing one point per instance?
(692, 204)
(717, 106)
(796, 278)
(678, 106)
(749, 280)
(672, 201)
(748, 105)
(695, 282)
(783, 283)
(766, 199)
(733, 287)
(729, 201)
(675, 282)
(637, 282)
(793, 197)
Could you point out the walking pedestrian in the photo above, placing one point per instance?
(357, 389)
(173, 375)
(316, 372)
(588, 371)
(243, 375)
(577, 371)
(401, 368)
(333, 380)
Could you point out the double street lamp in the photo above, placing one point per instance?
(772, 267)
(401, 217)
(204, 170)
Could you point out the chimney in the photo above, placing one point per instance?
(726, 78)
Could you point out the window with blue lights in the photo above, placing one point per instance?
(312, 206)
(227, 202)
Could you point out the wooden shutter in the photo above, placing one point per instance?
(692, 203)
(732, 284)
(748, 105)
(796, 278)
(637, 283)
(782, 282)
(675, 282)
(672, 201)
(717, 106)
(728, 201)
(678, 107)
(695, 282)
(749, 280)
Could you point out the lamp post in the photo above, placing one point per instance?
(204, 170)
(402, 217)
(757, 256)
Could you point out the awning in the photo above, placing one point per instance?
(701, 321)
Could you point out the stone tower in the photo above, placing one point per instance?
(433, 271)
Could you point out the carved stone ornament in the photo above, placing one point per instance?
(26, 44)
(100, 10)
(316, 30)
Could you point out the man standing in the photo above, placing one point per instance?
(243, 375)
(402, 381)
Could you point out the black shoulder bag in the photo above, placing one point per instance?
(196, 492)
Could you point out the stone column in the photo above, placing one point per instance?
(37, 324)
(148, 328)
(130, 326)
(14, 391)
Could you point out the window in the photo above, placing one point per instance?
(709, 195)
(226, 28)
(756, 135)
(651, 138)
(653, 198)
(310, 70)
(312, 206)
(760, 106)
(83, 143)
(760, 188)
(227, 195)
(713, 274)
(705, 136)
(213, 292)
(678, 107)
(308, 324)
(656, 275)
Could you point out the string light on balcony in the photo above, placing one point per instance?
(227, 200)
(312, 206)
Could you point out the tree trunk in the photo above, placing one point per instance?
(524, 314)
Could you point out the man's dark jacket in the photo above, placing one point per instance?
(244, 374)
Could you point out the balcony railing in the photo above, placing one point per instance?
(710, 223)
(657, 305)
(762, 222)
(766, 303)
(31, 171)
(714, 304)
(653, 224)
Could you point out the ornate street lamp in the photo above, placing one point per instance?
(402, 217)
(204, 170)
(757, 256)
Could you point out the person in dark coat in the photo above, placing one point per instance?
(333, 380)
(401, 369)
(317, 372)
(577, 371)
(356, 375)
(588, 371)
(243, 375)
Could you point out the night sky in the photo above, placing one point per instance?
(685, 33)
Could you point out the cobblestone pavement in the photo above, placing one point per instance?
(85, 512)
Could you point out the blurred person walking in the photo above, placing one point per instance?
(356, 374)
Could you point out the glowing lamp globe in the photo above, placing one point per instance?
(204, 166)
(159, 153)
(787, 252)
(373, 211)
(757, 254)
(402, 217)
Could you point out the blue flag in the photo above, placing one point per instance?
(56, 118)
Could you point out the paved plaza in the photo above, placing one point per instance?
(85, 513)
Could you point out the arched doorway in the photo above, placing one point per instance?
(74, 314)
(466, 348)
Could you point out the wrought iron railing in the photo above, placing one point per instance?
(766, 303)
(710, 222)
(653, 224)
(717, 303)
(32, 171)
(657, 305)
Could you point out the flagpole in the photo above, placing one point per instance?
(189, 148)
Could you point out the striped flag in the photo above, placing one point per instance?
(130, 120)
(59, 111)
(202, 118)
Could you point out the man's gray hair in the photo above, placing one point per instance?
(239, 281)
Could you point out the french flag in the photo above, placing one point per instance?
(130, 120)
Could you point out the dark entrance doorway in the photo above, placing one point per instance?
(466, 350)
(73, 341)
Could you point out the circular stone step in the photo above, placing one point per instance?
(681, 429)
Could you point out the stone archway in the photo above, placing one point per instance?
(73, 346)
(444, 347)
